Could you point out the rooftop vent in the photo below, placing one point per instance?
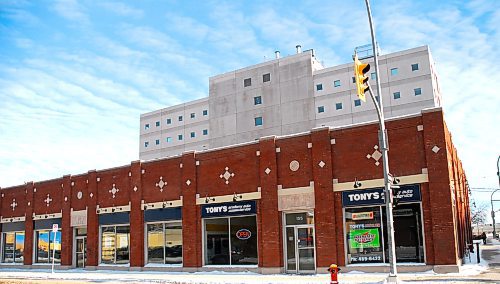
(299, 48)
(277, 53)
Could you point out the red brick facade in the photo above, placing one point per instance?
(327, 159)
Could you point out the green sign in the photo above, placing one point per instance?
(364, 238)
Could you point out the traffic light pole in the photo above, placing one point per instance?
(383, 141)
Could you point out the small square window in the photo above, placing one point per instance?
(205, 131)
(247, 82)
(146, 144)
(169, 139)
(193, 134)
(354, 79)
(157, 124)
(319, 87)
(266, 77)
(257, 100)
(374, 76)
(146, 126)
(179, 137)
(157, 142)
(338, 106)
(258, 121)
(193, 115)
(417, 91)
(169, 121)
(180, 117)
(321, 109)
(394, 71)
(397, 95)
(336, 83)
(357, 102)
(205, 112)
(414, 67)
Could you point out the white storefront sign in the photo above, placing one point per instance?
(79, 218)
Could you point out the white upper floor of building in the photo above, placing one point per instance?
(285, 96)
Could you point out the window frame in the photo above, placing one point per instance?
(115, 247)
(321, 109)
(357, 102)
(146, 249)
(266, 76)
(417, 91)
(396, 95)
(257, 100)
(258, 121)
(319, 87)
(394, 71)
(413, 69)
(14, 246)
(247, 82)
(336, 83)
(338, 106)
(50, 251)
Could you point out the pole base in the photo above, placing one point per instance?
(392, 279)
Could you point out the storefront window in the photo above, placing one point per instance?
(366, 221)
(115, 244)
(231, 241)
(407, 233)
(13, 247)
(165, 243)
(217, 241)
(48, 247)
(243, 240)
(364, 235)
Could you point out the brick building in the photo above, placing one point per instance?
(279, 204)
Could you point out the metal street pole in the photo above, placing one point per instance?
(491, 199)
(383, 140)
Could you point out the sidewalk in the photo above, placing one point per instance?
(488, 271)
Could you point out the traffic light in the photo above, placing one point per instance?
(360, 70)
(395, 190)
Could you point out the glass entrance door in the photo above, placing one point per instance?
(80, 251)
(299, 243)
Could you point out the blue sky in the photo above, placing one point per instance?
(76, 75)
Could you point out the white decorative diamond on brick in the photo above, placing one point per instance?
(13, 204)
(114, 190)
(135, 188)
(161, 184)
(188, 182)
(267, 171)
(48, 200)
(435, 149)
(72, 183)
(91, 195)
(79, 195)
(65, 199)
(321, 164)
(227, 175)
(294, 165)
(376, 155)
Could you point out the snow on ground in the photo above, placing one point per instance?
(471, 267)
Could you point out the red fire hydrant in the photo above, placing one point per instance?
(334, 273)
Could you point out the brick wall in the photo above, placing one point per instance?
(324, 156)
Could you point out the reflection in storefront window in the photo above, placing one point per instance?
(47, 247)
(13, 247)
(165, 243)
(364, 235)
(115, 244)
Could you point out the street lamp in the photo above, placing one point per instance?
(393, 277)
(491, 199)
